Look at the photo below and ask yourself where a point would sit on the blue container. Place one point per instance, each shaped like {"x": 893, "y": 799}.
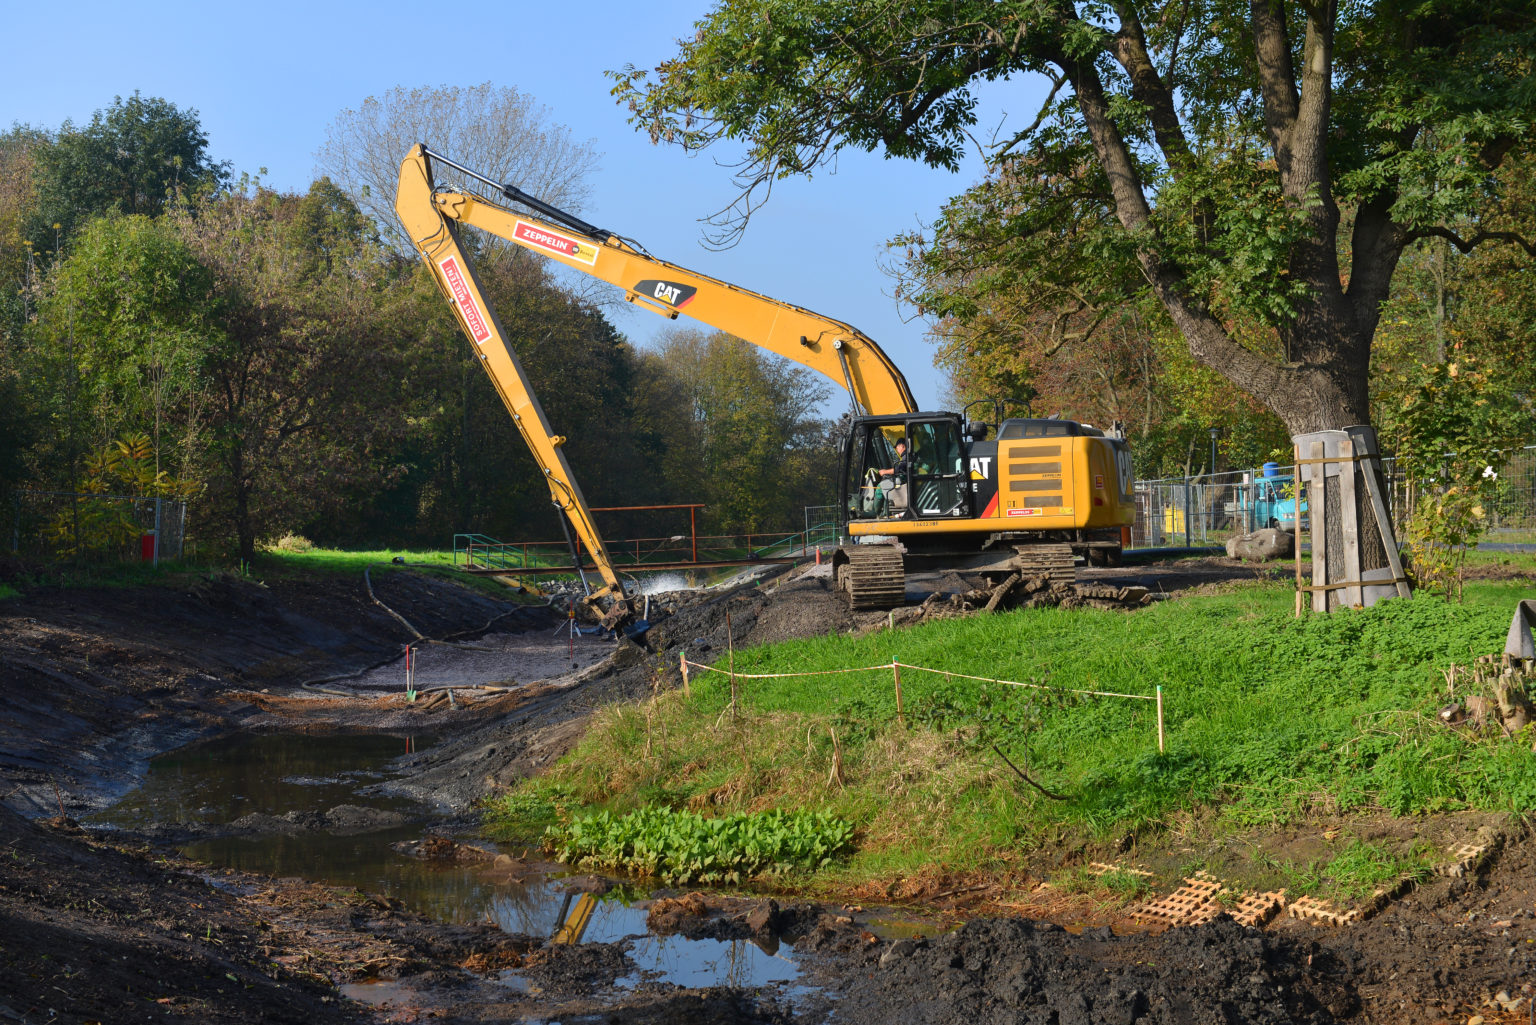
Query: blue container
{"x": 1271, "y": 469}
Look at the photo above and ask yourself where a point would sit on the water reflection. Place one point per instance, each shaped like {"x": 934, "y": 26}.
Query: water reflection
{"x": 217, "y": 783}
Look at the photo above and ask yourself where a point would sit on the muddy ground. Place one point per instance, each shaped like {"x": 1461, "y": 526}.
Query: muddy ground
{"x": 114, "y": 927}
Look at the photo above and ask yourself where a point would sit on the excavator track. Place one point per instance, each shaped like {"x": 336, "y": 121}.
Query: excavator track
{"x": 1053, "y": 561}
{"x": 873, "y": 577}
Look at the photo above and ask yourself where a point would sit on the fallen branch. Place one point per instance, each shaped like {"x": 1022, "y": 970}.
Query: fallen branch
{"x": 1037, "y": 786}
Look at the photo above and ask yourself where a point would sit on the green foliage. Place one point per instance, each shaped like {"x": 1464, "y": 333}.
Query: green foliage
{"x": 124, "y": 328}
{"x": 1198, "y": 159}
{"x": 1361, "y": 869}
{"x": 132, "y": 156}
{"x": 1269, "y": 718}
{"x": 683, "y": 847}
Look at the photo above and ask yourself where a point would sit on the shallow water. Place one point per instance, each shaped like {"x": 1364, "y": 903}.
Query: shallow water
{"x": 218, "y": 782}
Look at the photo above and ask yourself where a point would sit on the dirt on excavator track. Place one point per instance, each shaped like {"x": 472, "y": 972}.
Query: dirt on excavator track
{"x": 113, "y": 927}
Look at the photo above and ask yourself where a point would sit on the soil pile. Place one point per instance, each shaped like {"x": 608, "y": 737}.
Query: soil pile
{"x": 1020, "y": 971}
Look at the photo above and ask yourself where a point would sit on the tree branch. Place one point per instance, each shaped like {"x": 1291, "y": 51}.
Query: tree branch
{"x": 1277, "y": 75}
{"x": 1130, "y": 49}
{"x": 1466, "y": 245}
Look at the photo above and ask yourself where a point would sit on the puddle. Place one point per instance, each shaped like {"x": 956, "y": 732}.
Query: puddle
{"x": 219, "y": 782}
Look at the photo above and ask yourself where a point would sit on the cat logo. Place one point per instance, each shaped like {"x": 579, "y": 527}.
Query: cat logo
{"x": 1124, "y": 471}
{"x": 981, "y": 467}
{"x": 669, "y": 292}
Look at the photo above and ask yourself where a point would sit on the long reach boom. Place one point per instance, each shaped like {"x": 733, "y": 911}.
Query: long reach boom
{"x": 840, "y": 351}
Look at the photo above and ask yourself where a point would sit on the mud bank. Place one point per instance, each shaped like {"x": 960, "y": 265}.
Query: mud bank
{"x": 105, "y": 928}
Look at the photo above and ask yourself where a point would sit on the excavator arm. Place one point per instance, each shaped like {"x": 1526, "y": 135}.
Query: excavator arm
{"x": 839, "y": 351}
{"x": 434, "y": 230}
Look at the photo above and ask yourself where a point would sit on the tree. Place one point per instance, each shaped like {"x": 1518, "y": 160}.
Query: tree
{"x": 123, "y": 330}
{"x": 498, "y": 131}
{"x": 303, "y": 411}
{"x": 764, "y": 453}
{"x": 1256, "y": 168}
{"x": 131, "y": 157}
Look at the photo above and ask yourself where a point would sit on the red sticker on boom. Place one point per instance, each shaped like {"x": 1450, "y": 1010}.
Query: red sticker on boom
{"x": 458, "y": 284}
{"x": 536, "y": 237}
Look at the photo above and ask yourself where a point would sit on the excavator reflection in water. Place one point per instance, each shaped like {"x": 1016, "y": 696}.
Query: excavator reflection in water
{"x": 1013, "y": 495}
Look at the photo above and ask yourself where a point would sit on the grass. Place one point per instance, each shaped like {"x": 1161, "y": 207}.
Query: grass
{"x": 1358, "y": 870}
{"x": 1269, "y": 719}
{"x": 273, "y": 563}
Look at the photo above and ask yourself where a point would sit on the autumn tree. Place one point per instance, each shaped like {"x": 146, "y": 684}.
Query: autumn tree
{"x": 497, "y": 130}
{"x": 764, "y": 452}
{"x": 1257, "y": 169}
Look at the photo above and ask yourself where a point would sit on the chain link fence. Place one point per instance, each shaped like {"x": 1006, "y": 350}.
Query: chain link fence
{"x": 85, "y": 527}
{"x": 1205, "y": 511}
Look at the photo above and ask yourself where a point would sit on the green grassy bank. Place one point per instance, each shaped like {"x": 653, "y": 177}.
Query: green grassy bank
{"x": 1269, "y": 719}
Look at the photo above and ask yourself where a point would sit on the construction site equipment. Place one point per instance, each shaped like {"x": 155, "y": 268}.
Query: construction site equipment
{"x": 1012, "y": 495}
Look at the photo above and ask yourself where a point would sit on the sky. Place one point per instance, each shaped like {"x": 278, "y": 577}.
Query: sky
{"x": 269, "y": 79}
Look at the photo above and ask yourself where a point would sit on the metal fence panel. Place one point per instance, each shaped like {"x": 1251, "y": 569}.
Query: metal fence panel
{"x": 1205, "y": 511}
{"x": 79, "y": 526}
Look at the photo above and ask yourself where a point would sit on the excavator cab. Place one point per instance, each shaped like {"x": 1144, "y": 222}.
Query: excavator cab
{"x": 934, "y": 484}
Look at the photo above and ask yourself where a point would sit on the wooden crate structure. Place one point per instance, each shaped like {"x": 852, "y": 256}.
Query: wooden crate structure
{"x": 1355, "y": 562}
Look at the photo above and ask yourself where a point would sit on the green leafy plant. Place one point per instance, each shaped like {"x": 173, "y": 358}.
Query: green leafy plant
{"x": 684, "y": 847}
{"x": 99, "y": 521}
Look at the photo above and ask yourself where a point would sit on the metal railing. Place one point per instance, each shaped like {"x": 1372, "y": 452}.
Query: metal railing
{"x": 478, "y": 551}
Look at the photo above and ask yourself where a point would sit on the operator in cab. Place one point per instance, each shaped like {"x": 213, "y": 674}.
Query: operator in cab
{"x": 903, "y": 468}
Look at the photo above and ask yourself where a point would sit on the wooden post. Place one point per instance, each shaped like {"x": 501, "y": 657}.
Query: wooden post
{"x": 1317, "y": 513}
{"x": 1159, "y": 718}
{"x": 1385, "y": 525}
{"x": 682, "y": 663}
{"x": 730, "y": 641}
{"x": 896, "y": 675}
{"x": 1296, "y": 487}
{"x": 1350, "y": 521}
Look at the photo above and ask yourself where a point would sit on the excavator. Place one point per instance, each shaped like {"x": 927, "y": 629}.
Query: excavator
{"x": 916, "y": 490}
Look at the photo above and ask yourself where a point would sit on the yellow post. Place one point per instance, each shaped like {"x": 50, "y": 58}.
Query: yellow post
{"x": 896, "y": 674}
{"x": 1159, "y": 718}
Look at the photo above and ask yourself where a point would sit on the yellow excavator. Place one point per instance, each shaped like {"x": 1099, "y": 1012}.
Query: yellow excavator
{"x": 916, "y": 490}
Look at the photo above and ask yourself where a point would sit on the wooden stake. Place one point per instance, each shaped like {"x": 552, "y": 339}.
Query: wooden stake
{"x": 682, "y": 660}
{"x": 896, "y": 674}
{"x": 730, "y": 641}
{"x": 836, "y": 775}
{"x": 1354, "y": 594}
{"x": 1296, "y": 486}
{"x": 1159, "y": 718}
{"x": 1318, "y": 513}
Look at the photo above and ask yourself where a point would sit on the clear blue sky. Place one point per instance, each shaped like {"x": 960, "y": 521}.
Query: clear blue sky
{"x": 268, "y": 79}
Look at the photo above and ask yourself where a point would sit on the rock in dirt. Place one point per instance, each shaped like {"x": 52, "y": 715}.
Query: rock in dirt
{"x": 1263, "y": 545}
{"x": 443, "y": 849}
